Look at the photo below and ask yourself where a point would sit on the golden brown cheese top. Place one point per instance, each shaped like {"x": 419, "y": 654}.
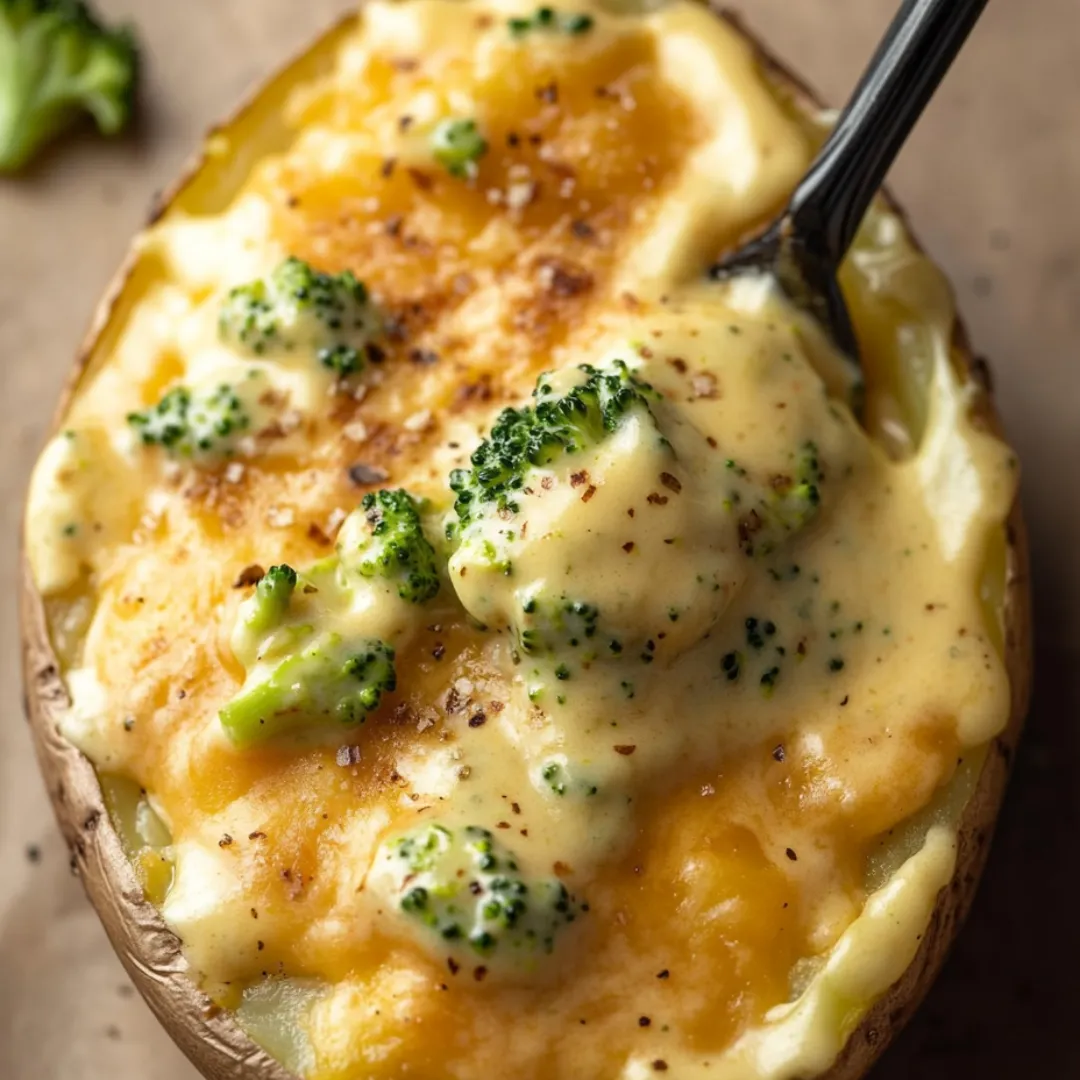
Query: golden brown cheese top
{"x": 712, "y": 798}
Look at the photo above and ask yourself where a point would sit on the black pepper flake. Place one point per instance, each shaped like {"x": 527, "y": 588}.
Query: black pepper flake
{"x": 836, "y": 664}
{"x": 439, "y": 651}
{"x": 582, "y": 230}
{"x": 387, "y": 169}
{"x": 665, "y": 974}
{"x": 262, "y": 945}
{"x": 480, "y": 973}
{"x": 628, "y": 546}
{"x": 778, "y": 752}
{"x": 453, "y": 965}
{"x": 790, "y": 853}
{"x": 478, "y": 719}
{"x": 644, "y": 1021}
{"x": 423, "y": 357}
{"x": 258, "y": 834}
{"x": 362, "y": 475}
{"x": 672, "y": 483}
{"x": 625, "y": 749}
{"x": 33, "y": 854}
{"x": 250, "y": 575}
{"x": 659, "y": 1065}
{"x": 225, "y": 841}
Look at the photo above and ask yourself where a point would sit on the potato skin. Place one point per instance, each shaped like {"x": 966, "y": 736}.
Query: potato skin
{"x": 151, "y": 953}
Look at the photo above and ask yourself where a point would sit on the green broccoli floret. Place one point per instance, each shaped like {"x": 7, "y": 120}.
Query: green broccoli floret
{"x": 469, "y": 893}
{"x": 548, "y": 627}
{"x": 57, "y": 62}
{"x": 385, "y": 538}
{"x": 535, "y": 436}
{"x": 793, "y": 502}
{"x": 271, "y": 600}
{"x": 457, "y": 145}
{"x": 192, "y": 423}
{"x": 331, "y": 680}
{"x": 549, "y": 20}
{"x": 299, "y": 309}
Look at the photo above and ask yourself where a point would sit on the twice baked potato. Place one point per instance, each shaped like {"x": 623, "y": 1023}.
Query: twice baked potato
{"x": 461, "y": 639}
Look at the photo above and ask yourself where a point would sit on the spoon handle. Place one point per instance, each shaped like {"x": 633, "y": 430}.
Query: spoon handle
{"x": 911, "y": 60}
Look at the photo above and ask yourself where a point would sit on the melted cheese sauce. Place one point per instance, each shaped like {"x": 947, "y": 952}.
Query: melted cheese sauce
{"x": 726, "y": 857}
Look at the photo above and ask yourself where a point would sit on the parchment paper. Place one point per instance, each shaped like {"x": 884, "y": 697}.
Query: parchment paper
{"x": 992, "y": 179}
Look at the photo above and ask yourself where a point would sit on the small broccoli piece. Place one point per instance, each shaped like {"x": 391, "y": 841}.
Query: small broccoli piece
{"x": 271, "y": 600}
{"x": 458, "y": 145}
{"x": 57, "y": 62}
{"x": 385, "y": 539}
{"x": 192, "y": 423}
{"x": 547, "y": 19}
{"x": 556, "y": 776}
{"x": 548, "y": 628}
{"x": 793, "y": 502}
{"x": 330, "y": 680}
{"x": 467, "y": 890}
{"x": 298, "y": 308}
{"x": 536, "y": 436}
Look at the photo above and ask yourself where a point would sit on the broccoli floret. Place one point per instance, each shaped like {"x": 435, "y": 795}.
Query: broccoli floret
{"x": 458, "y": 145}
{"x": 271, "y": 600}
{"x": 792, "y": 503}
{"x": 385, "y": 538}
{"x": 536, "y": 436}
{"x": 546, "y": 19}
{"x": 193, "y": 422}
{"x": 298, "y": 309}
{"x": 547, "y": 628}
{"x": 332, "y": 679}
{"x": 469, "y": 893}
{"x": 57, "y": 62}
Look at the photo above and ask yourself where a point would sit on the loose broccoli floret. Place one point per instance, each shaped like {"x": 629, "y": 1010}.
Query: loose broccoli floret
{"x": 385, "y": 538}
{"x": 57, "y": 62}
{"x": 332, "y": 679}
{"x": 468, "y": 891}
{"x": 457, "y": 145}
{"x": 536, "y": 436}
{"x": 191, "y": 423}
{"x": 298, "y": 308}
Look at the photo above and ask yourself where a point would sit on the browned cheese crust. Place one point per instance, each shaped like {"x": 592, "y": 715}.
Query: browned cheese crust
{"x": 151, "y": 953}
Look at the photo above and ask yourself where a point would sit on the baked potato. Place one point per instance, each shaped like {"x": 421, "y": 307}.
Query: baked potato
{"x": 361, "y": 779}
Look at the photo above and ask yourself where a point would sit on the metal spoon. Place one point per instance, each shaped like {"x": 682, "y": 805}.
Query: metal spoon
{"x": 804, "y": 247}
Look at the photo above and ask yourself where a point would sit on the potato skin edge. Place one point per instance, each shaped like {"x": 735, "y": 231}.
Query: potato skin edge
{"x": 150, "y": 952}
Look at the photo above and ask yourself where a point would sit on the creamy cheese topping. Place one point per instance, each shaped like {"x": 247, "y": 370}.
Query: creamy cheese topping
{"x": 616, "y": 798}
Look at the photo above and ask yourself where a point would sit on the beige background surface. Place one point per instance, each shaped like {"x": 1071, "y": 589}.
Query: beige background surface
{"x": 992, "y": 178}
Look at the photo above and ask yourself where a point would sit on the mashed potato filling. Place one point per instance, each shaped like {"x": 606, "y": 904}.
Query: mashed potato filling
{"x": 616, "y": 811}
